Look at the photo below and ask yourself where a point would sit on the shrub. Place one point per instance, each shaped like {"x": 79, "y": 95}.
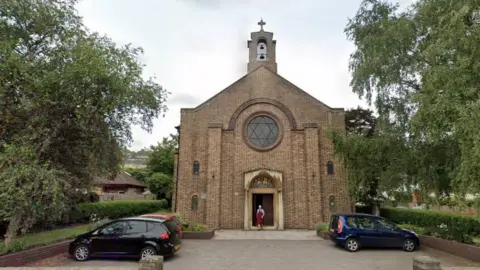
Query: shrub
{"x": 410, "y": 227}
{"x": 194, "y": 228}
{"x": 450, "y": 226}
{"x": 115, "y": 209}
{"x": 321, "y": 227}
{"x": 363, "y": 209}
{"x": 96, "y": 223}
{"x": 456, "y": 223}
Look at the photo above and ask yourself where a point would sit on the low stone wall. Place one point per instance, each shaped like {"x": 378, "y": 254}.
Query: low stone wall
{"x": 149, "y": 263}
{"x": 198, "y": 235}
{"x": 33, "y": 254}
{"x": 466, "y": 251}
{"x": 429, "y": 263}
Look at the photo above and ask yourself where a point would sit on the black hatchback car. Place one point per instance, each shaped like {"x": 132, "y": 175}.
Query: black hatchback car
{"x": 128, "y": 237}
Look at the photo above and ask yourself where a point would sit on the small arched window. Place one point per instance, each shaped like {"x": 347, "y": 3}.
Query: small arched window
{"x": 330, "y": 169}
{"x": 331, "y": 203}
{"x": 196, "y": 168}
{"x": 194, "y": 203}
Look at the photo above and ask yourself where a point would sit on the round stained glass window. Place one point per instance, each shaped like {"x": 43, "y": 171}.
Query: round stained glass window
{"x": 262, "y": 131}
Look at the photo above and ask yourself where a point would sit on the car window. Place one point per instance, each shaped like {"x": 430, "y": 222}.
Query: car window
{"x": 171, "y": 225}
{"x": 352, "y": 222}
{"x": 385, "y": 224}
{"x": 136, "y": 226}
{"x": 333, "y": 222}
{"x": 118, "y": 227}
{"x": 365, "y": 223}
{"x": 155, "y": 226}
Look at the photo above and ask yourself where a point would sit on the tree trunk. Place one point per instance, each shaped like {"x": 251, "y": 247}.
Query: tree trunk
{"x": 376, "y": 208}
{"x": 12, "y": 229}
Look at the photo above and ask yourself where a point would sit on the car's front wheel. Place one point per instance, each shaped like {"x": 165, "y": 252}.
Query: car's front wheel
{"x": 352, "y": 245}
{"x": 148, "y": 251}
{"x": 81, "y": 253}
{"x": 409, "y": 244}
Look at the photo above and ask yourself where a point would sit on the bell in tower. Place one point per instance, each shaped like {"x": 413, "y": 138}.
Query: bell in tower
{"x": 262, "y": 50}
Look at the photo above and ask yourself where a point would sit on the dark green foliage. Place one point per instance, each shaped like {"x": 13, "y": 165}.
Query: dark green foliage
{"x": 140, "y": 174}
{"x": 160, "y": 157}
{"x": 116, "y": 209}
{"x": 68, "y": 100}
{"x": 420, "y": 68}
{"x": 161, "y": 185}
{"x": 448, "y": 226}
{"x": 158, "y": 176}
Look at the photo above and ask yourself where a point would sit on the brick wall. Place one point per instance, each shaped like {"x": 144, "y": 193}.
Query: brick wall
{"x": 33, "y": 255}
{"x": 301, "y": 155}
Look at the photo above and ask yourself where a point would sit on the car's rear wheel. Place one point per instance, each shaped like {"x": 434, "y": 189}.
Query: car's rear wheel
{"x": 409, "y": 245}
{"x": 352, "y": 244}
{"x": 148, "y": 251}
{"x": 81, "y": 253}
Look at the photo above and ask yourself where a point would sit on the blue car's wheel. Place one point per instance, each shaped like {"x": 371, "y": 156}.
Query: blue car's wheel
{"x": 352, "y": 244}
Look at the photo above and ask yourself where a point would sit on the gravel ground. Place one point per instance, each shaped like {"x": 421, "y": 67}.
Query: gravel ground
{"x": 274, "y": 254}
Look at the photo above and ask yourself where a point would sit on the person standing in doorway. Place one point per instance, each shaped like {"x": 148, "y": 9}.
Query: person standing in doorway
{"x": 260, "y": 215}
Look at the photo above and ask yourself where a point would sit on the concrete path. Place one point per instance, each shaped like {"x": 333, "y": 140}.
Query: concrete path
{"x": 266, "y": 235}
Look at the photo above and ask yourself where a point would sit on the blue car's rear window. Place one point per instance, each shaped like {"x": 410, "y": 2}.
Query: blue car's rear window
{"x": 352, "y": 222}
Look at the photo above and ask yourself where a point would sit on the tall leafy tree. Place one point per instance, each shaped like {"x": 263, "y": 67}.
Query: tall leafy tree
{"x": 160, "y": 158}
{"x": 360, "y": 121}
{"x": 373, "y": 157}
{"x": 420, "y": 67}
{"x": 160, "y": 163}
{"x": 67, "y": 100}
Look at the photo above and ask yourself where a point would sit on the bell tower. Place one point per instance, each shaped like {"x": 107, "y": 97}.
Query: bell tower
{"x": 261, "y": 50}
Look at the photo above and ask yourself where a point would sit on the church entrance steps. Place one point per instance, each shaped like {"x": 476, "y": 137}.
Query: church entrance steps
{"x": 266, "y": 235}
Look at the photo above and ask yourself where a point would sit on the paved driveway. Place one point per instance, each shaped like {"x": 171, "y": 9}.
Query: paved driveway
{"x": 281, "y": 254}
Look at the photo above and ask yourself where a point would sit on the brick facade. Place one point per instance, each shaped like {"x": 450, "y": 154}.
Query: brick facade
{"x": 214, "y": 135}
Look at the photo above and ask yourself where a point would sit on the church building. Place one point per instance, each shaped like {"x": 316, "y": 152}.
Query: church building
{"x": 261, "y": 141}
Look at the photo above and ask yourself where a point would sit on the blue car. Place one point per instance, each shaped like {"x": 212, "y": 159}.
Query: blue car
{"x": 354, "y": 231}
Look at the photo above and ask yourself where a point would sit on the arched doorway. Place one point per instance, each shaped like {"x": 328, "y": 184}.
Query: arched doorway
{"x": 264, "y": 187}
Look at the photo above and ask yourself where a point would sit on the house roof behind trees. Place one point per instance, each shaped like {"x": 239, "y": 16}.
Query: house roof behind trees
{"x": 123, "y": 179}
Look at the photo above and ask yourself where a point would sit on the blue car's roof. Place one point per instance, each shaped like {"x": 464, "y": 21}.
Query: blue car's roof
{"x": 354, "y": 214}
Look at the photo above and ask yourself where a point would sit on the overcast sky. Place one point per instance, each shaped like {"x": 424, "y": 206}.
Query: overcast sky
{"x": 196, "y": 48}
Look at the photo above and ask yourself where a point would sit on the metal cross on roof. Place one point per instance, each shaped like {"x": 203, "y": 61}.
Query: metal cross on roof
{"x": 261, "y": 23}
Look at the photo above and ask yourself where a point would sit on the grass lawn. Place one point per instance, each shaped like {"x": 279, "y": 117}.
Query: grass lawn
{"x": 42, "y": 238}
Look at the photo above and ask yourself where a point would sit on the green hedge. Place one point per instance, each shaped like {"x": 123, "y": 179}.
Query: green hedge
{"x": 450, "y": 226}
{"x": 116, "y": 209}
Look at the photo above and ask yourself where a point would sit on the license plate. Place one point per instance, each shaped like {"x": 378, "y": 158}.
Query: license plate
{"x": 177, "y": 247}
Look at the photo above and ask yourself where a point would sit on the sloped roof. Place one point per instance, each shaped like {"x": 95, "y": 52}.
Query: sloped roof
{"x": 122, "y": 178}
{"x": 293, "y": 86}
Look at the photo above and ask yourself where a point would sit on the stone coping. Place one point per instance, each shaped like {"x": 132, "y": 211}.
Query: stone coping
{"x": 33, "y": 254}
{"x": 466, "y": 251}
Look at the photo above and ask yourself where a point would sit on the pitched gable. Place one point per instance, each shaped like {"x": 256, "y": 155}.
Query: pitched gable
{"x": 289, "y": 84}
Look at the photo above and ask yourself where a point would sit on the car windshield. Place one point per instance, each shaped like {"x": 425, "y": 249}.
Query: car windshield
{"x": 386, "y": 224}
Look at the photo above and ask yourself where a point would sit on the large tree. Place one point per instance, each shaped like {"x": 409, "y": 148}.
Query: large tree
{"x": 421, "y": 69}
{"x": 373, "y": 154}
{"x": 68, "y": 98}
